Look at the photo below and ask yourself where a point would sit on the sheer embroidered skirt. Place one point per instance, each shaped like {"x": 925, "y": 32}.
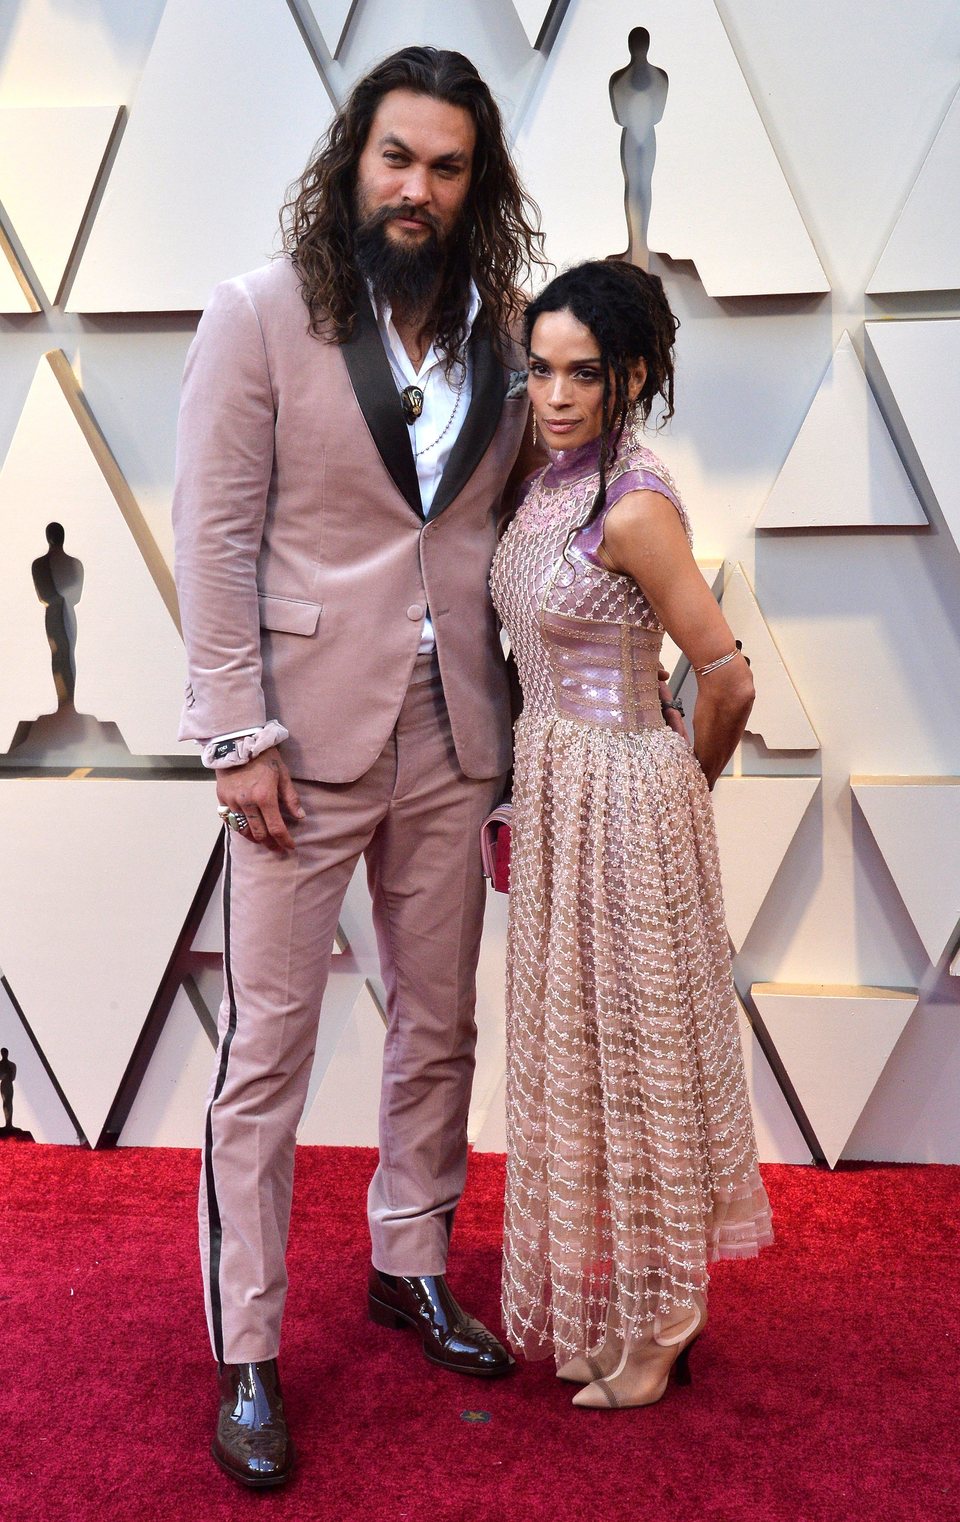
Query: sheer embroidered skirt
{"x": 632, "y": 1162}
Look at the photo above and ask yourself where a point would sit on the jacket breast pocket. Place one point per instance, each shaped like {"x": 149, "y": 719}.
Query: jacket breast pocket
{"x": 289, "y": 615}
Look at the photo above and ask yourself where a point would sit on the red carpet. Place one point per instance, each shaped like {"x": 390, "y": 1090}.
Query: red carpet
{"x": 826, "y": 1387}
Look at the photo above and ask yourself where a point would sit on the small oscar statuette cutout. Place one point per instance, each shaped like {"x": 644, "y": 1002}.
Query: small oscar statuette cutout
{"x": 8, "y": 1072}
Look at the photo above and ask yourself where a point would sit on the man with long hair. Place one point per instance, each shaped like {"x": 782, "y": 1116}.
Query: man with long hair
{"x": 345, "y": 442}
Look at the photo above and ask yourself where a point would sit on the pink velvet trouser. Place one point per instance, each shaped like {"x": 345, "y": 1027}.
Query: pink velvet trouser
{"x": 416, "y": 819}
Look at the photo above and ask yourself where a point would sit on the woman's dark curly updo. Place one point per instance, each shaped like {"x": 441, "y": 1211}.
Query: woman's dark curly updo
{"x": 627, "y": 311}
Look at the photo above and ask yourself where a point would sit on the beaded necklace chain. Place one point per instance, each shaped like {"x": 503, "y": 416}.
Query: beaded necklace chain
{"x": 449, "y": 424}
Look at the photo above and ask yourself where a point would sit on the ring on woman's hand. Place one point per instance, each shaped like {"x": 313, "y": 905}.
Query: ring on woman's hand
{"x": 233, "y": 818}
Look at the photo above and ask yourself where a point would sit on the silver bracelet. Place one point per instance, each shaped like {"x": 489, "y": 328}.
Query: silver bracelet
{"x": 721, "y": 661}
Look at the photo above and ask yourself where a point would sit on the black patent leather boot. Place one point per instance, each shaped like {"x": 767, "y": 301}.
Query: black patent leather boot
{"x": 252, "y": 1444}
{"x": 448, "y": 1335}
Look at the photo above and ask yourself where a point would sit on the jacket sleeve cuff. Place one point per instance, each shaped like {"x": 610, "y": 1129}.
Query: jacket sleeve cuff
{"x": 236, "y": 750}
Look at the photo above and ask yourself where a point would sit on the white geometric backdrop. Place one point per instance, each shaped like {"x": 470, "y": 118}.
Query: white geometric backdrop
{"x": 791, "y": 172}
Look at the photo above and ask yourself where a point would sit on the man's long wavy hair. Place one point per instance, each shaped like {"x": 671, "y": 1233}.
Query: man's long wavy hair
{"x": 499, "y": 224}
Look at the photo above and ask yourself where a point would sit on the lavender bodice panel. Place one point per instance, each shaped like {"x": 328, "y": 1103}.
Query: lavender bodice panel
{"x": 603, "y": 673}
{"x": 586, "y": 641}
{"x": 588, "y": 541}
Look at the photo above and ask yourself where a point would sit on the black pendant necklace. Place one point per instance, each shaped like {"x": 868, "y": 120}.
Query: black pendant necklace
{"x": 411, "y": 401}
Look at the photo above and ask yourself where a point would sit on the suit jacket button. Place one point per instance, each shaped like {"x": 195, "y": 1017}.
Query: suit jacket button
{"x": 415, "y": 612}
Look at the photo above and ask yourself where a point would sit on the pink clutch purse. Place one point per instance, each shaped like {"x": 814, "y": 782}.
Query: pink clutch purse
{"x": 495, "y": 847}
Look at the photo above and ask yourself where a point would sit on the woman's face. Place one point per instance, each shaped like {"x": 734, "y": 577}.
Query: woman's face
{"x": 565, "y": 380}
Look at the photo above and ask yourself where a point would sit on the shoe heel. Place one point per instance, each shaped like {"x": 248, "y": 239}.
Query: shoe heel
{"x": 681, "y": 1369}
{"x": 384, "y": 1316}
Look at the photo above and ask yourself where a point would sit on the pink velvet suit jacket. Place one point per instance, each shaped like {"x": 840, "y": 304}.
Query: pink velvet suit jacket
{"x": 303, "y": 561}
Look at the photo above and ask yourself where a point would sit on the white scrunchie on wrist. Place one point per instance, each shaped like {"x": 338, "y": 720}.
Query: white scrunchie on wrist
{"x": 245, "y": 747}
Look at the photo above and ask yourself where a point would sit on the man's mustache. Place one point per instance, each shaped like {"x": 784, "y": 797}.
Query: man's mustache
{"x": 404, "y": 212}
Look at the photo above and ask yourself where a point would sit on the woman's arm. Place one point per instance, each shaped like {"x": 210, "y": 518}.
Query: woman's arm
{"x": 644, "y": 538}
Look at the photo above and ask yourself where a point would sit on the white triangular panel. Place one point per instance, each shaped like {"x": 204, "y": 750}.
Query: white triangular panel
{"x": 778, "y": 715}
{"x": 344, "y": 1110}
{"x": 491, "y": 1124}
{"x": 169, "y": 1105}
{"x": 485, "y": 1122}
{"x": 921, "y": 361}
{"x": 719, "y": 196}
{"x": 331, "y": 17}
{"x": 130, "y": 661}
{"x": 532, "y": 15}
{"x": 757, "y": 818}
{"x": 670, "y": 654}
{"x": 834, "y": 1042}
{"x": 28, "y": 688}
{"x": 50, "y": 159}
{"x": 207, "y": 992}
{"x": 209, "y": 935}
{"x": 955, "y": 966}
{"x": 779, "y": 1138}
{"x": 916, "y": 824}
{"x": 85, "y": 943}
{"x": 843, "y": 470}
{"x": 15, "y": 293}
{"x": 226, "y": 114}
{"x": 37, "y": 1107}
{"x": 923, "y": 251}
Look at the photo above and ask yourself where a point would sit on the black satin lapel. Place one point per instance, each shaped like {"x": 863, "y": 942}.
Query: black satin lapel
{"x": 479, "y": 425}
{"x": 373, "y": 383}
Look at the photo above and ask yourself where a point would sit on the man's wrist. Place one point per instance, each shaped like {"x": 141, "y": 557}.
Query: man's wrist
{"x": 241, "y": 746}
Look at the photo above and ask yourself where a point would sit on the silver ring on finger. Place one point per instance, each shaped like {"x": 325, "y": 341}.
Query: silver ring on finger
{"x": 234, "y": 819}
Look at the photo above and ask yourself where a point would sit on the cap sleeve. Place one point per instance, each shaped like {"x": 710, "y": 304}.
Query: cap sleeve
{"x": 587, "y": 541}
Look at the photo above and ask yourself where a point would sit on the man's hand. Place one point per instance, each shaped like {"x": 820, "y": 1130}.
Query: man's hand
{"x": 262, "y": 789}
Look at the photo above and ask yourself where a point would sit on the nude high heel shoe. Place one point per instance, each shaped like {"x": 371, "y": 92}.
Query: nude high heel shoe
{"x": 584, "y": 1369}
{"x": 587, "y": 1367}
{"x": 644, "y": 1371}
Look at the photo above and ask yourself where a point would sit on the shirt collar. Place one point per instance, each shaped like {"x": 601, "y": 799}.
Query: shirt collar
{"x": 385, "y": 320}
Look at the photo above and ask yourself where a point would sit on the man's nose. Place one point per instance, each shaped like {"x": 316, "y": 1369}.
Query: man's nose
{"x": 416, "y": 186}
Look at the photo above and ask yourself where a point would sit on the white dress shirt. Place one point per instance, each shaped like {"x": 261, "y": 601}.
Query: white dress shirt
{"x": 446, "y": 401}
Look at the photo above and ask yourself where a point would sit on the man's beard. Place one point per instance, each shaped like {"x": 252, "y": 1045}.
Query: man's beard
{"x": 402, "y": 274}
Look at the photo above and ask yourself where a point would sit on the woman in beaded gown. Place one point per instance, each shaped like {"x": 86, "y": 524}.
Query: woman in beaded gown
{"x": 631, "y": 1155}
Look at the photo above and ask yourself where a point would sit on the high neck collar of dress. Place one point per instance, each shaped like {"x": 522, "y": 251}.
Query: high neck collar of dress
{"x": 569, "y": 465}
{"x": 575, "y": 464}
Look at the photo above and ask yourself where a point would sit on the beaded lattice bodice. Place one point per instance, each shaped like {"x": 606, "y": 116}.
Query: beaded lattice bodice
{"x": 586, "y": 641}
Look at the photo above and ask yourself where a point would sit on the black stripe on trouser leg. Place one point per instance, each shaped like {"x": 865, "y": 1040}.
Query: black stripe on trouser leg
{"x": 213, "y": 1207}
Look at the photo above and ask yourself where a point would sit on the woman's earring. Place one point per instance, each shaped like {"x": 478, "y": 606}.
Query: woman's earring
{"x": 534, "y": 416}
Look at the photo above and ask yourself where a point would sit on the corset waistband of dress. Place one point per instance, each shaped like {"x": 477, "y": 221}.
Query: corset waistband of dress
{"x": 604, "y": 673}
